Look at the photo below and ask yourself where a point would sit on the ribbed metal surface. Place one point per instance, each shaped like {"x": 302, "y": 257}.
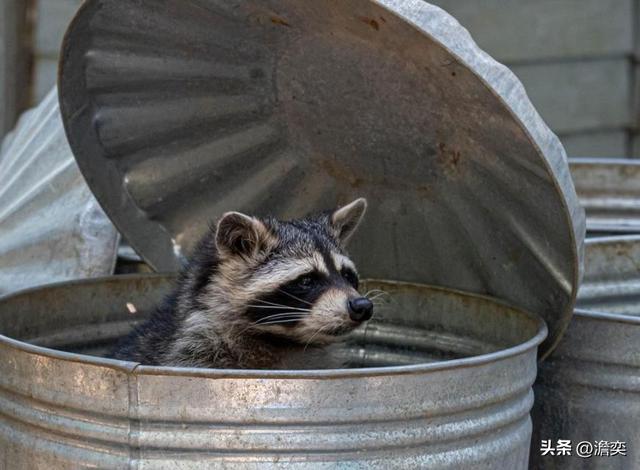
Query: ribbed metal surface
{"x": 66, "y": 410}
{"x": 51, "y": 226}
{"x": 609, "y": 190}
{"x": 179, "y": 110}
{"x": 589, "y": 388}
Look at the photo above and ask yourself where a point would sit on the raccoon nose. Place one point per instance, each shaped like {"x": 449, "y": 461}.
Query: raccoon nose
{"x": 360, "y": 309}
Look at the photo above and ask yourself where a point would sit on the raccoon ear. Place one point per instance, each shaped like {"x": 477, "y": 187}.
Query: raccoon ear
{"x": 240, "y": 234}
{"x": 346, "y": 219}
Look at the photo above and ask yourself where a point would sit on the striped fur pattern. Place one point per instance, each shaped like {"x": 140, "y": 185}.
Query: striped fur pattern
{"x": 257, "y": 294}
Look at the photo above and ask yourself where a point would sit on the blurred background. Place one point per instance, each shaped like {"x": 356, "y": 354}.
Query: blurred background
{"x": 578, "y": 60}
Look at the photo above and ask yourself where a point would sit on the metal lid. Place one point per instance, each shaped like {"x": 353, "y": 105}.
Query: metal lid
{"x": 178, "y": 111}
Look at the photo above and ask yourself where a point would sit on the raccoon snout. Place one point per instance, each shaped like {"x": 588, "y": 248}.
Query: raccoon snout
{"x": 360, "y": 309}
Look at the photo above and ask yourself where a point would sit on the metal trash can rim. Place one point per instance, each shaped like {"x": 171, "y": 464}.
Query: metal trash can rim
{"x": 598, "y": 314}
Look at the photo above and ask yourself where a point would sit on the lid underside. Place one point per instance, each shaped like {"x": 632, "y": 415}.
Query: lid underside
{"x": 178, "y": 111}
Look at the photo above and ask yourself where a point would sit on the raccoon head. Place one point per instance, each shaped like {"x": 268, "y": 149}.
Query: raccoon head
{"x": 292, "y": 279}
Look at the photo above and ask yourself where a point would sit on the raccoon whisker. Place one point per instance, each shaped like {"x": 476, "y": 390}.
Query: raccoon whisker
{"x": 276, "y": 304}
{"x": 377, "y": 296}
{"x": 372, "y": 291}
{"x": 314, "y": 335}
{"x": 294, "y": 297}
{"x": 266, "y": 302}
{"x": 279, "y": 315}
{"x": 277, "y": 322}
{"x": 284, "y": 307}
{"x": 272, "y": 320}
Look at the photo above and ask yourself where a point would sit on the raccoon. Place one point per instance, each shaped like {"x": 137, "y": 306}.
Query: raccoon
{"x": 259, "y": 294}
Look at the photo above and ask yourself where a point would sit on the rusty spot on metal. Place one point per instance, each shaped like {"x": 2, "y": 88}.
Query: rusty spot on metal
{"x": 341, "y": 173}
{"x": 424, "y": 190}
{"x": 346, "y": 178}
{"x": 371, "y": 22}
{"x": 449, "y": 159}
{"x": 280, "y": 21}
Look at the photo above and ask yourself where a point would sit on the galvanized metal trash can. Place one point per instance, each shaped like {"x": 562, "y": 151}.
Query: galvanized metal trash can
{"x": 180, "y": 110}
{"x": 62, "y": 410}
{"x": 588, "y": 390}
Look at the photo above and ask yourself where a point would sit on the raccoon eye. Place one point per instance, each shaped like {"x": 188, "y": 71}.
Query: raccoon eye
{"x": 350, "y": 277}
{"x": 306, "y": 281}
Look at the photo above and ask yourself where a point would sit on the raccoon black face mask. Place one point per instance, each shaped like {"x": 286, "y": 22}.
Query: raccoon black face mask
{"x": 259, "y": 293}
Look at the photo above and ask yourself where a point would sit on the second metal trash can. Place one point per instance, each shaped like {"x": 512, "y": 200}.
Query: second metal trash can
{"x": 589, "y": 388}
